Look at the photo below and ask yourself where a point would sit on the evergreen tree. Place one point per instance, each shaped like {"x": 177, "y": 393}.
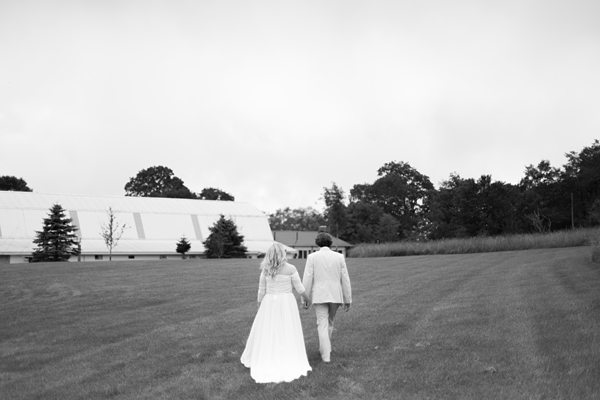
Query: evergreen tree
{"x": 224, "y": 240}
{"x": 183, "y": 246}
{"x": 57, "y": 240}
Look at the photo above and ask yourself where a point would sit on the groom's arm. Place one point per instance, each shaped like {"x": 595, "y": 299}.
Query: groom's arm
{"x": 346, "y": 286}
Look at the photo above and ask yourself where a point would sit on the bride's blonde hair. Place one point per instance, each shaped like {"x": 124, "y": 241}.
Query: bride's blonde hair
{"x": 274, "y": 259}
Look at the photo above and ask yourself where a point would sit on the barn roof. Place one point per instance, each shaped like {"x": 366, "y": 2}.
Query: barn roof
{"x": 305, "y": 239}
{"x": 154, "y": 225}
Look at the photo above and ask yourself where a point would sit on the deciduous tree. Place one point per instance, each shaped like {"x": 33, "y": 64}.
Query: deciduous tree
{"x": 543, "y": 174}
{"x": 469, "y": 207}
{"x": 158, "y": 181}
{"x": 215, "y": 194}
{"x": 12, "y": 183}
{"x": 363, "y": 222}
{"x": 546, "y": 197}
{"x": 401, "y": 191}
{"x": 111, "y": 231}
{"x": 387, "y": 229}
{"x": 297, "y": 219}
{"x": 335, "y": 209}
{"x": 582, "y": 179}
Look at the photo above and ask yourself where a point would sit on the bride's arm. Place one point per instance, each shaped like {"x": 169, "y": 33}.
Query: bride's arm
{"x": 262, "y": 286}
{"x": 300, "y": 288}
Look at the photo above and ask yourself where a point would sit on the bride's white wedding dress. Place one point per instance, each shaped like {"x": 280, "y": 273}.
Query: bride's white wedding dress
{"x": 275, "y": 350}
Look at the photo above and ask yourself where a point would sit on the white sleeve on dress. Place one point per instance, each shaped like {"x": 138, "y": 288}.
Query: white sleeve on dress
{"x": 262, "y": 286}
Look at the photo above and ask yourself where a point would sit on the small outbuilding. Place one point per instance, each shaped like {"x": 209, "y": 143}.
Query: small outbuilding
{"x": 304, "y": 242}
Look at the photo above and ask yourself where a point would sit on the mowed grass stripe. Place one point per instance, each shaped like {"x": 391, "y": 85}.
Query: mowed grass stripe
{"x": 520, "y": 324}
{"x": 422, "y": 330}
{"x": 567, "y": 331}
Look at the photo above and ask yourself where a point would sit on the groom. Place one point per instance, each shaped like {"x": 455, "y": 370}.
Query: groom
{"x": 327, "y": 284}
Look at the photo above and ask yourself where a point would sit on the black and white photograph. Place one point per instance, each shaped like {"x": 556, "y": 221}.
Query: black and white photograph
{"x": 299, "y": 199}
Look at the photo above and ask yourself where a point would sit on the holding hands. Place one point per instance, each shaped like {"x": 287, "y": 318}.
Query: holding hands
{"x": 306, "y": 303}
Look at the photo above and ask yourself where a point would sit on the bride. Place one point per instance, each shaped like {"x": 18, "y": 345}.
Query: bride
{"x": 275, "y": 350}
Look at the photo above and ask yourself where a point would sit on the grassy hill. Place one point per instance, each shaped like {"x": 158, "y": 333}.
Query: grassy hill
{"x": 505, "y": 325}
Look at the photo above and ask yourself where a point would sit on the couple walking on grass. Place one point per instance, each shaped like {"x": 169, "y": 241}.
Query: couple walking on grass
{"x": 275, "y": 350}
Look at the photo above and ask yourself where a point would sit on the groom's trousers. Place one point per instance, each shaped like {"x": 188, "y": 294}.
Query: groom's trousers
{"x": 325, "y": 315}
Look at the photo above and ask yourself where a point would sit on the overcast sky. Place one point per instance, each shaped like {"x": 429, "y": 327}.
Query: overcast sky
{"x": 273, "y": 100}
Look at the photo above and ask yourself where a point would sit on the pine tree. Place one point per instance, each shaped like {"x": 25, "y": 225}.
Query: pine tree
{"x": 224, "y": 240}
{"x": 57, "y": 240}
{"x": 183, "y": 246}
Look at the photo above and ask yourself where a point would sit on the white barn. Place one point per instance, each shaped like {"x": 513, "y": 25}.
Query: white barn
{"x": 154, "y": 225}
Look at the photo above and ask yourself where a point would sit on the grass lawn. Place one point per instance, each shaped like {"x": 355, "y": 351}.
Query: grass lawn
{"x": 503, "y": 325}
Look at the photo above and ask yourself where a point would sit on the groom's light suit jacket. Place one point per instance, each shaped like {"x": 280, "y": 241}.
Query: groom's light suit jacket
{"x": 326, "y": 277}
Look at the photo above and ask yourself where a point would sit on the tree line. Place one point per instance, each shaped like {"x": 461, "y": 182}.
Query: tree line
{"x": 403, "y": 204}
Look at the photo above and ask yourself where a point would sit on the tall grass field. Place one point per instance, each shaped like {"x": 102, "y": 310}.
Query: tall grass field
{"x": 501, "y": 325}
{"x": 566, "y": 238}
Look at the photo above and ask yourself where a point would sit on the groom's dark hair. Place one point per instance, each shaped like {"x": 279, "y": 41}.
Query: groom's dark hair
{"x": 323, "y": 239}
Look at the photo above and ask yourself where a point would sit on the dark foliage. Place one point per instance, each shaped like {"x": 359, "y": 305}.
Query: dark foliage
{"x": 215, "y": 194}
{"x": 12, "y": 183}
{"x": 157, "y": 181}
{"x": 224, "y": 240}
{"x": 57, "y": 240}
{"x": 466, "y": 207}
{"x": 335, "y": 210}
{"x": 160, "y": 181}
{"x": 297, "y": 219}
{"x": 183, "y": 246}
{"x": 400, "y": 191}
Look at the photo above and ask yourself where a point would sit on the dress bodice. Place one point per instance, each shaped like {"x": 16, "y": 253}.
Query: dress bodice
{"x": 280, "y": 283}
